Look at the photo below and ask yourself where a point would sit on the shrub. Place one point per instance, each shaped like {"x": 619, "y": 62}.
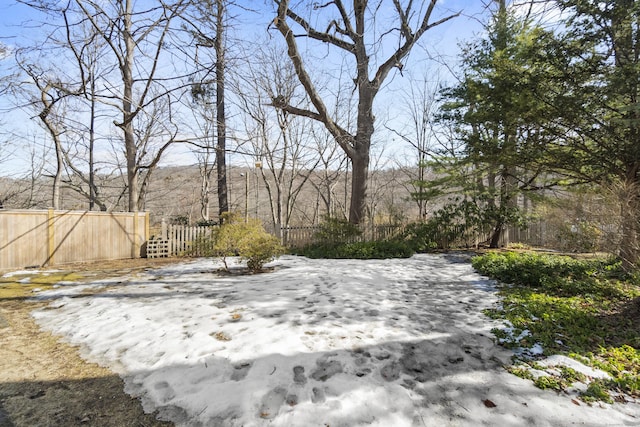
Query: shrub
{"x": 421, "y": 236}
{"x": 596, "y": 391}
{"x": 248, "y": 240}
{"x": 333, "y": 231}
{"x": 382, "y": 249}
{"x": 260, "y": 250}
{"x": 207, "y": 223}
{"x": 179, "y": 220}
{"x": 335, "y": 239}
{"x": 580, "y": 237}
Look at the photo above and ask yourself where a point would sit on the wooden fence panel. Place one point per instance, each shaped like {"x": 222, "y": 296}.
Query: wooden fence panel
{"x": 297, "y": 237}
{"x": 23, "y": 239}
{"x": 48, "y": 237}
{"x": 181, "y": 240}
{"x": 457, "y": 237}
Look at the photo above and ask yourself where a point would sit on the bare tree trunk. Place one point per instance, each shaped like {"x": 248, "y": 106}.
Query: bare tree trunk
{"x": 359, "y": 181}
{"x": 47, "y": 106}
{"x": 221, "y": 154}
{"x": 131, "y": 148}
{"x": 57, "y": 179}
{"x": 205, "y": 179}
{"x": 92, "y": 121}
{"x": 498, "y": 227}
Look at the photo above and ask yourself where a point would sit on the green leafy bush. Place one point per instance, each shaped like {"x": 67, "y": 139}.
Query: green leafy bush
{"x": 359, "y": 250}
{"x": 596, "y": 391}
{"x": 333, "y": 231}
{"x": 260, "y": 249}
{"x": 550, "y": 382}
{"x": 421, "y": 236}
{"x": 582, "y": 236}
{"x": 338, "y": 238}
{"x": 248, "y": 240}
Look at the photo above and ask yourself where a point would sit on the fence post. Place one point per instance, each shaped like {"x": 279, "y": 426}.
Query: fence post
{"x": 51, "y": 234}
{"x": 146, "y": 226}
{"x": 134, "y": 241}
{"x": 163, "y": 232}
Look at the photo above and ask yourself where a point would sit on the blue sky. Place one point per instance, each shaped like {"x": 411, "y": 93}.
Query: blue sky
{"x": 19, "y": 25}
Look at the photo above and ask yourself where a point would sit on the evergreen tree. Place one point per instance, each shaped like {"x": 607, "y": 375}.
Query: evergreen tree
{"x": 499, "y": 119}
{"x": 596, "y": 111}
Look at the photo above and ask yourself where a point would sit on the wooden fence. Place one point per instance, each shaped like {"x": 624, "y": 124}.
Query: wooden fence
{"x": 457, "y": 237}
{"x": 183, "y": 240}
{"x": 195, "y": 241}
{"x": 301, "y": 236}
{"x": 47, "y": 237}
{"x": 30, "y": 238}
{"x": 180, "y": 240}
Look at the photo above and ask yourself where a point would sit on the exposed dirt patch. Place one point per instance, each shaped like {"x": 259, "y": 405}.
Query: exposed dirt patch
{"x": 43, "y": 381}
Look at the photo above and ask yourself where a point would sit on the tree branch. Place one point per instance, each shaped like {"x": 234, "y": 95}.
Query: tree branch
{"x": 410, "y": 41}
{"x": 342, "y": 137}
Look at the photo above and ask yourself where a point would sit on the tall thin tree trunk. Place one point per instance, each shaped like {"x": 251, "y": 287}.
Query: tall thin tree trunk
{"x": 127, "y": 110}
{"x": 221, "y": 155}
{"x": 92, "y": 120}
{"x": 57, "y": 179}
{"x": 360, "y": 154}
{"x": 55, "y": 136}
{"x": 359, "y": 177}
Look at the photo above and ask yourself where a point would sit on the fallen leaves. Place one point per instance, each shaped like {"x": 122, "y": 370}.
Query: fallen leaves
{"x": 221, "y": 336}
{"x": 488, "y": 403}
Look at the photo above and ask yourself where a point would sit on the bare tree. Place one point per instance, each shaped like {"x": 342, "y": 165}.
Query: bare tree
{"x": 355, "y": 32}
{"x": 48, "y": 102}
{"x": 204, "y": 151}
{"x": 221, "y": 145}
{"x": 280, "y": 141}
{"x": 101, "y": 43}
{"x": 125, "y": 32}
{"x": 327, "y": 175}
{"x": 86, "y": 48}
{"x": 420, "y": 105}
{"x": 210, "y": 26}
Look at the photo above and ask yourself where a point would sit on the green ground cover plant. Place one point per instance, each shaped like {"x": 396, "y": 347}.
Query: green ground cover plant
{"x": 587, "y": 309}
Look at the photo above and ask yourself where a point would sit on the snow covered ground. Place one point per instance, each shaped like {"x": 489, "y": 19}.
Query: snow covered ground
{"x": 399, "y": 342}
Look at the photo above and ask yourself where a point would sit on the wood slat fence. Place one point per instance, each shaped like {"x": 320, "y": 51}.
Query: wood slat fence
{"x": 456, "y": 237}
{"x": 181, "y": 240}
{"x": 35, "y": 238}
{"x": 302, "y": 236}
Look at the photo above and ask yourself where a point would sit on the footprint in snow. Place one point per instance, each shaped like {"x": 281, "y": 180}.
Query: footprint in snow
{"x": 318, "y": 395}
{"x": 326, "y": 368}
{"x": 298, "y": 375}
{"x": 271, "y": 403}
{"x": 240, "y": 371}
{"x": 164, "y": 390}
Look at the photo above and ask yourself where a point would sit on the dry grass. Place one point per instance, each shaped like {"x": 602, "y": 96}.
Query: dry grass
{"x": 43, "y": 381}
